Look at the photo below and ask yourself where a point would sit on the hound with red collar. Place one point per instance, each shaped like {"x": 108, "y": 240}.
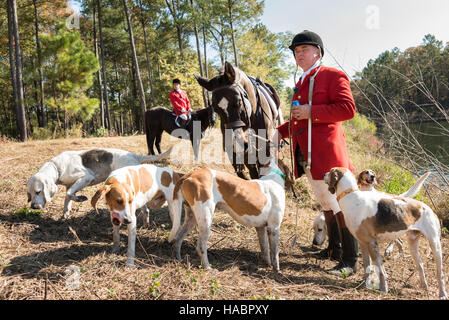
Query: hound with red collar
{"x": 374, "y": 216}
{"x": 130, "y": 188}
{"x": 254, "y": 203}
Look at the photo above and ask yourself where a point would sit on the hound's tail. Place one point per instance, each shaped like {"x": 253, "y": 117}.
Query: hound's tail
{"x": 416, "y": 187}
{"x": 157, "y": 157}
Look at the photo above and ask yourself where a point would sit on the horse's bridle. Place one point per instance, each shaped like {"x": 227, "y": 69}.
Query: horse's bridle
{"x": 247, "y": 106}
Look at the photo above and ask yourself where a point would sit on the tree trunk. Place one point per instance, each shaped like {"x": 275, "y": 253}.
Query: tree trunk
{"x": 136, "y": 63}
{"x": 150, "y": 79}
{"x": 105, "y": 82}
{"x": 177, "y": 25}
{"x": 41, "y": 120}
{"x": 232, "y": 33}
{"x": 198, "y": 50}
{"x": 179, "y": 33}
{"x": 12, "y": 57}
{"x": 20, "y": 104}
{"x": 100, "y": 89}
{"x": 117, "y": 81}
{"x": 206, "y": 71}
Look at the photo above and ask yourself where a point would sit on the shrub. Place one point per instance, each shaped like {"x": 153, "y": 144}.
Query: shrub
{"x": 362, "y": 125}
{"x": 100, "y": 132}
{"x": 442, "y": 210}
{"x": 42, "y": 134}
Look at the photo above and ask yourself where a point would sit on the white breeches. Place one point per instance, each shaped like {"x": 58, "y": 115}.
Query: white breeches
{"x": 327, "y": 200}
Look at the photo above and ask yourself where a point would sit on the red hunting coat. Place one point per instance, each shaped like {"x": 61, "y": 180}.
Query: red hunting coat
{"x": 332, "y": 103}
{"x": 180, "y": 102}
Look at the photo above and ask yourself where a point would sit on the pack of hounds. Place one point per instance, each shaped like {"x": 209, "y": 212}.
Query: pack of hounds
{"x": 131, "y": 182}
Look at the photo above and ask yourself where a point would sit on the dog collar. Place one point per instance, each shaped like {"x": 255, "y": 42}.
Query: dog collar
{"x": 108, "y": 178}
{"x": 347, "y": 191}
{"x": 279, "y": 173}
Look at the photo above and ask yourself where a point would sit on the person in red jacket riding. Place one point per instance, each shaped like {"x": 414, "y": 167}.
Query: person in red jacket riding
{"x": 328, "y": 104}
{"x": 180, "y": 103}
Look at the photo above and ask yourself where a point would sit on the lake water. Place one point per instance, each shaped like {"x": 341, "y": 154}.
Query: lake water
{"x": 434, "y": 137}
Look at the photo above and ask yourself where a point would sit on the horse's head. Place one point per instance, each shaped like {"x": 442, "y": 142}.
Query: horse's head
{"x": 229, "y": 99}
{"x": 225, "y": 78}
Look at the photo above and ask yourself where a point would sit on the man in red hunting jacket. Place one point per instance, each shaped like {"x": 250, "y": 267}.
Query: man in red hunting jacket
{"x": 332, "y": 103}
{"x": 180, "y": 103}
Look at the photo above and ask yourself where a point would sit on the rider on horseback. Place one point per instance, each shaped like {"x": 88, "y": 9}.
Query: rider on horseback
{"x": 181, "y": 104}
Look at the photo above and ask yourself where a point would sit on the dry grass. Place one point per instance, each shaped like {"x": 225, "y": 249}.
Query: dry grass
{"x": 36, "y": 252}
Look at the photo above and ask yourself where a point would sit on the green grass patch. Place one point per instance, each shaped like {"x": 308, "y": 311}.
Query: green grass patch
{"x": 25, "y": 212}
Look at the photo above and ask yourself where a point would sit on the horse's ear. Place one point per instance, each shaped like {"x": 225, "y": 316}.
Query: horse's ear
{"x": 205, "y": 83}
{"x": 229, "y": 72}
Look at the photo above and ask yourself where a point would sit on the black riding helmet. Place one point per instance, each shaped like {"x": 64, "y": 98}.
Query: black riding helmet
{"x": 307, "y": 37}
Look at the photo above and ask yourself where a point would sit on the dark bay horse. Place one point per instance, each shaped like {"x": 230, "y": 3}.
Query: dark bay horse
{"x": 243, "y": 103}
{"x": 160, "y": 119}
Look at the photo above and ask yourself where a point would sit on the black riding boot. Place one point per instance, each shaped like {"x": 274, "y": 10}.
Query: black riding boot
{"x": 333, "y": 250}
{"x": 350, "y": 246}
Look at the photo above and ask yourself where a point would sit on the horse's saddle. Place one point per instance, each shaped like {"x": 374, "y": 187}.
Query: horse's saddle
{"x": 268, "y": 94}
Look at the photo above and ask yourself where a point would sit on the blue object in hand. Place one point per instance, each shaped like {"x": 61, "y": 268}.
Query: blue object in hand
{"x": 295, "y": 103}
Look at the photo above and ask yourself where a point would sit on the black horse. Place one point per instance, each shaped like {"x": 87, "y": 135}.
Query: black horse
{"x": 244, "y": 103}
{"x": 159, "y": 119}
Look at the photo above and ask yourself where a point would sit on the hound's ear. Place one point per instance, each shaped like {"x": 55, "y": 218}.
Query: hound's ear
{"x": 359, "y": 178}
{"x": 229, "y": 72}
{"x": 333, "y": 181}
{"x": 99, "y": 195}
{"x": 289, "y": 177}
{"x": 205, "y": 83}
{"x": 50, "y": 188}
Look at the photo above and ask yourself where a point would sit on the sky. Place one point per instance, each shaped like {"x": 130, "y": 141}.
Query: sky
{"x": 355, "y": 31}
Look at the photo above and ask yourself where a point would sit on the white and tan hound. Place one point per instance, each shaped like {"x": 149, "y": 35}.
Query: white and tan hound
{"x": 130, "y": 188}
{"x": 256, "y": 203}
{"x": 374, "y": 216}
{"x": 78, "y": 169}
{"x": 366, "y": 181}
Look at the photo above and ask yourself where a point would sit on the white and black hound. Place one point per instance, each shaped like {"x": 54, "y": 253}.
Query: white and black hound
{"x": 78, "y": 169}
